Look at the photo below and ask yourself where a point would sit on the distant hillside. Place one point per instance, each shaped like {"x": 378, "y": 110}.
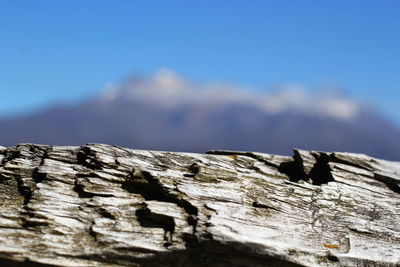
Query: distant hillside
{"x": 167, "y": 113}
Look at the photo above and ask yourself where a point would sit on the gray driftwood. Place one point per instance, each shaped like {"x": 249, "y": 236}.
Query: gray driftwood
{"x": 100, "y": 205}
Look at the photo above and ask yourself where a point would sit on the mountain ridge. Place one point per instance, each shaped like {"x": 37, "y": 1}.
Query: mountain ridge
{"x": 198, "y": 120}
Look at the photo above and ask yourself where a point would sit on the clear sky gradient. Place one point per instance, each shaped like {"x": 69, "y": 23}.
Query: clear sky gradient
{"x": 65, "y": 50}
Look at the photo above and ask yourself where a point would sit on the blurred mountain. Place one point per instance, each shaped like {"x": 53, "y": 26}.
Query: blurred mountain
{"x": 165, "y": 112}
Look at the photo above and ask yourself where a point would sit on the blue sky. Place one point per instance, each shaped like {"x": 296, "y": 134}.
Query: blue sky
{"x": 55, "y": 51}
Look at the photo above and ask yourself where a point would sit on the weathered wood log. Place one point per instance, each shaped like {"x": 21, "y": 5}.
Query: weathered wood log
{"x": 101, "y": 205}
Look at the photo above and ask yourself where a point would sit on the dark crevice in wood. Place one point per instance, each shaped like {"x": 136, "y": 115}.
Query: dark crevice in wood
{"x": 151, "y": 189}
{"x": 239, "y": 153}
{"x": 105, "y": 213}
{"x": 32, "y": 220}
{"x": 149, "y": 219}
{"x": 263, "y": 206}
{"x": 92, "y": 233}
{"x": 80, "y": 189}
{"x": 25, "y": 191}
{"x": 194, "y": 169}
{"x": 9, "y": 155}
{"x": 391, "y": 185}
{"x": 332, "y": 258}
{"x": 321, "y": 172}
{"x": 24, "y": 188}
{"x": 363, "y": 165}
{"x": 43, "y": 152}
{"x": 23, "y": 263}
{"x": 87, "y": 158}
{"x": 292, "y": 170}
{"x": 37, "y": 176}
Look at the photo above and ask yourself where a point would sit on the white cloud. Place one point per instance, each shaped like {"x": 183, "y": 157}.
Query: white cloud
{"x": 166, "y": 88}
{"x": 299, "y": 99}
{"x": 339, "y": 108}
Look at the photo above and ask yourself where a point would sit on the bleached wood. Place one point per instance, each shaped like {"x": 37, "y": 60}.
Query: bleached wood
{"x": 101, "y": 205}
